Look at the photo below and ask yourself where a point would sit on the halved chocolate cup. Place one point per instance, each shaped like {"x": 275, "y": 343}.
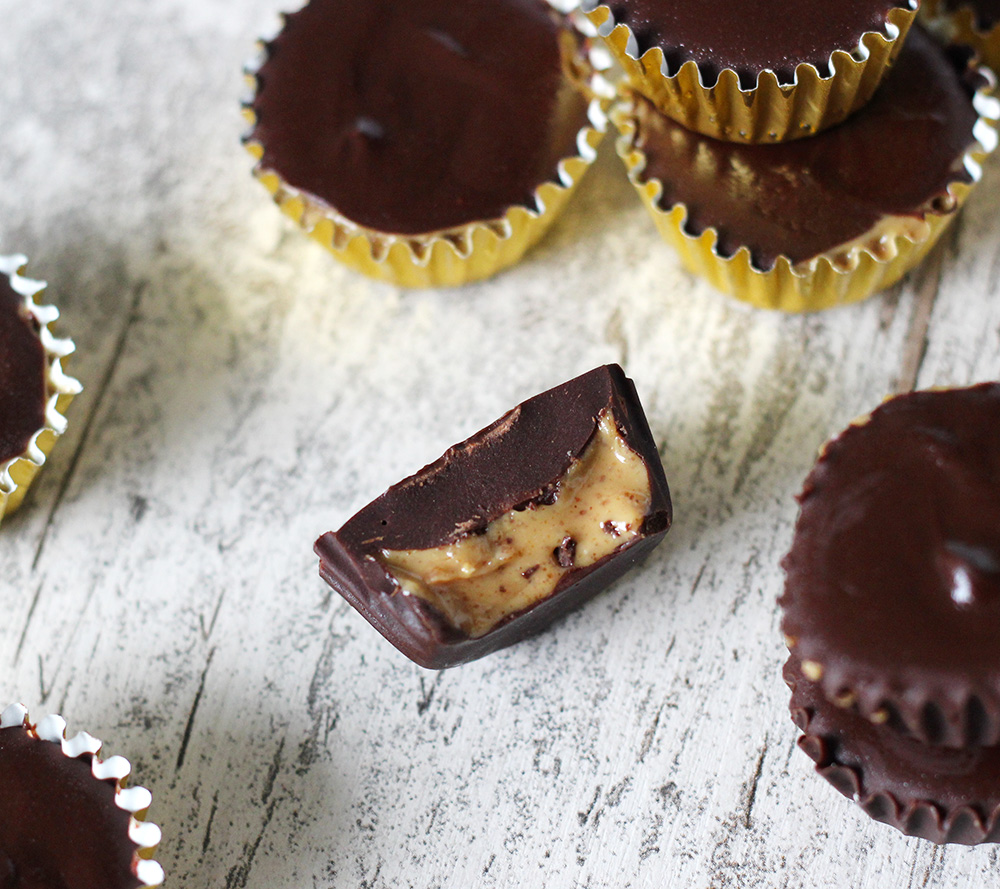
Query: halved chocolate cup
{"x": 510, "y": 529}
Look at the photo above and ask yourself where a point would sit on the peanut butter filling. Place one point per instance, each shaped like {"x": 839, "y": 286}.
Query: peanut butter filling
{"x": 479, "y": 579}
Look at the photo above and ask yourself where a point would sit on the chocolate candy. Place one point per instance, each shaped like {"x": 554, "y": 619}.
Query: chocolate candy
{"x": 510, "y": 529}
{"x": 943, "y": 794}
{"x": 421, "y": 116}
{"x": 751, "y": 35}
{"x": 22, "y": 375}
{"x": 61, "y": 827}
{"x": 805, "y": 198}
{"x": 892, "y": 600}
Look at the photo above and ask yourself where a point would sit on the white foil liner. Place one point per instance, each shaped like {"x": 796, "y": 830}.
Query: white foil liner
{"x": 59, "y": 386}
{"x": 770, "y": 111}
{"x": 453, "y": 256}
{"x": 134, "y": 800}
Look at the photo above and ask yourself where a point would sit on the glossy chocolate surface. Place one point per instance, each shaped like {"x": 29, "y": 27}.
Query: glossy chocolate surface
{"x": 415, "y": 117}
{"x": 516, "y": 461}
{"x": 60, "y": 827}
{"x": 943, "y": 794}
{"x": 752, "y": 35}
{"x": 22, "y": 375}
{"x": 801, "y": 199}
{"x": 893, "y": 579}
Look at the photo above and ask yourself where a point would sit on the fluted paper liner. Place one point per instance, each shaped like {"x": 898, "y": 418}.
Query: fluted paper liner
{"x": 960, "y": 26}
{"x": 914, "y": 817}
{"x": 134, "y": 800}
{"x": 771, "y": 111}
{"x": 845, "y": 273}
{"x": 454, "y": 256}
{"x": 17, "y": 473}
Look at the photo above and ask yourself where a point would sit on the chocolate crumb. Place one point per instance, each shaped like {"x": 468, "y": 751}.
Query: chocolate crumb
{"x": 565, "y": 553}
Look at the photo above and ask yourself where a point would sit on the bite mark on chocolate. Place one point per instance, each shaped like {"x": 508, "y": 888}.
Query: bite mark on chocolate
{"x": 490, "y": 512}
{"x": 461, "y": 577}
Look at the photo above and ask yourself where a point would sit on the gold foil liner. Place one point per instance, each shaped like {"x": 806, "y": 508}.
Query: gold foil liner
{"x": 134, "y": 800}
{"x": 844, "y": 274}
{"x": 458, "y": 255}
{"x": 770, "y": 112}
{"x": 17, "y": 473}
{"x": 959, "y": 26}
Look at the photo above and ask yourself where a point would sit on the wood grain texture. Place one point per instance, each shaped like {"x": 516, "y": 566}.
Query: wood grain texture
{"x": 244, "y": 393}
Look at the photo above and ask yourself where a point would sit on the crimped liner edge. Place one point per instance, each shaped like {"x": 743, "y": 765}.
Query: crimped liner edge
{"x": 919, "y": 818}
{"x": 770, "y": 111}
{"x": 17, "y": 473}
{"x": 134, "y": 800}
{"x": 844, "y": 274}
{"x": 454, "y": 256}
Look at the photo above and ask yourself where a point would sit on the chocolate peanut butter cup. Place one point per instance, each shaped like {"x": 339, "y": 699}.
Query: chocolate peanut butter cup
{"x": 942, "y": 794}
{"x": 819, "y": 222}
{"x": 756, "y": 70}
{"x": 510, "y": 529}
{"x": 428, "y": 142}
{"x": 892, "y": 596}
{"x": 975, "y": 23}
{"x": 34, "y": 391}
{"x": 68, "y": 821}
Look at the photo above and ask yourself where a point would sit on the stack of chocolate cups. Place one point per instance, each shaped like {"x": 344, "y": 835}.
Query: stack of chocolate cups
{"x": 799, "y": 156}
{"x": 892, "y": 614}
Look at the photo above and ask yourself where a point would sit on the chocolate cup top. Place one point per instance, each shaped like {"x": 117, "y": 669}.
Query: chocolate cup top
{"x": 22, "y": 375}
{"x": 61, "y": 825}
{"x": 751, "y": 36}
{"x": 893, "y": 578}
{"x": 418, "y": 117}
{"x": 896, "y": 157}
{"x": 516, "y": 461}
{"x": 943, "y": 794}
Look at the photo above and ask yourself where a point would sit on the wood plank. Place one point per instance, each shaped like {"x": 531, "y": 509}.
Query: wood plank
{"x": 245, "y": 393}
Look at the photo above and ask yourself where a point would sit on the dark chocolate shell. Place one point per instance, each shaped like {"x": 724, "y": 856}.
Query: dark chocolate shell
{"x": 892, "y": 597}
{"x": 942, "y": 794}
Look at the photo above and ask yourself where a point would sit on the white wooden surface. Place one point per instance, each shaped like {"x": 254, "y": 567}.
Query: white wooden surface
{"x": 245, "y": 393}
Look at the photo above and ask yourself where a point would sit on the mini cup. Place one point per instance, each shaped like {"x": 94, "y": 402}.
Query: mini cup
{"x": 17, "y": 473}
{"x": 64, "y": 796}
{"x": 843, "y": 273}
{"x": 468, "y": 252}
{"x": 770, "y": 110}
